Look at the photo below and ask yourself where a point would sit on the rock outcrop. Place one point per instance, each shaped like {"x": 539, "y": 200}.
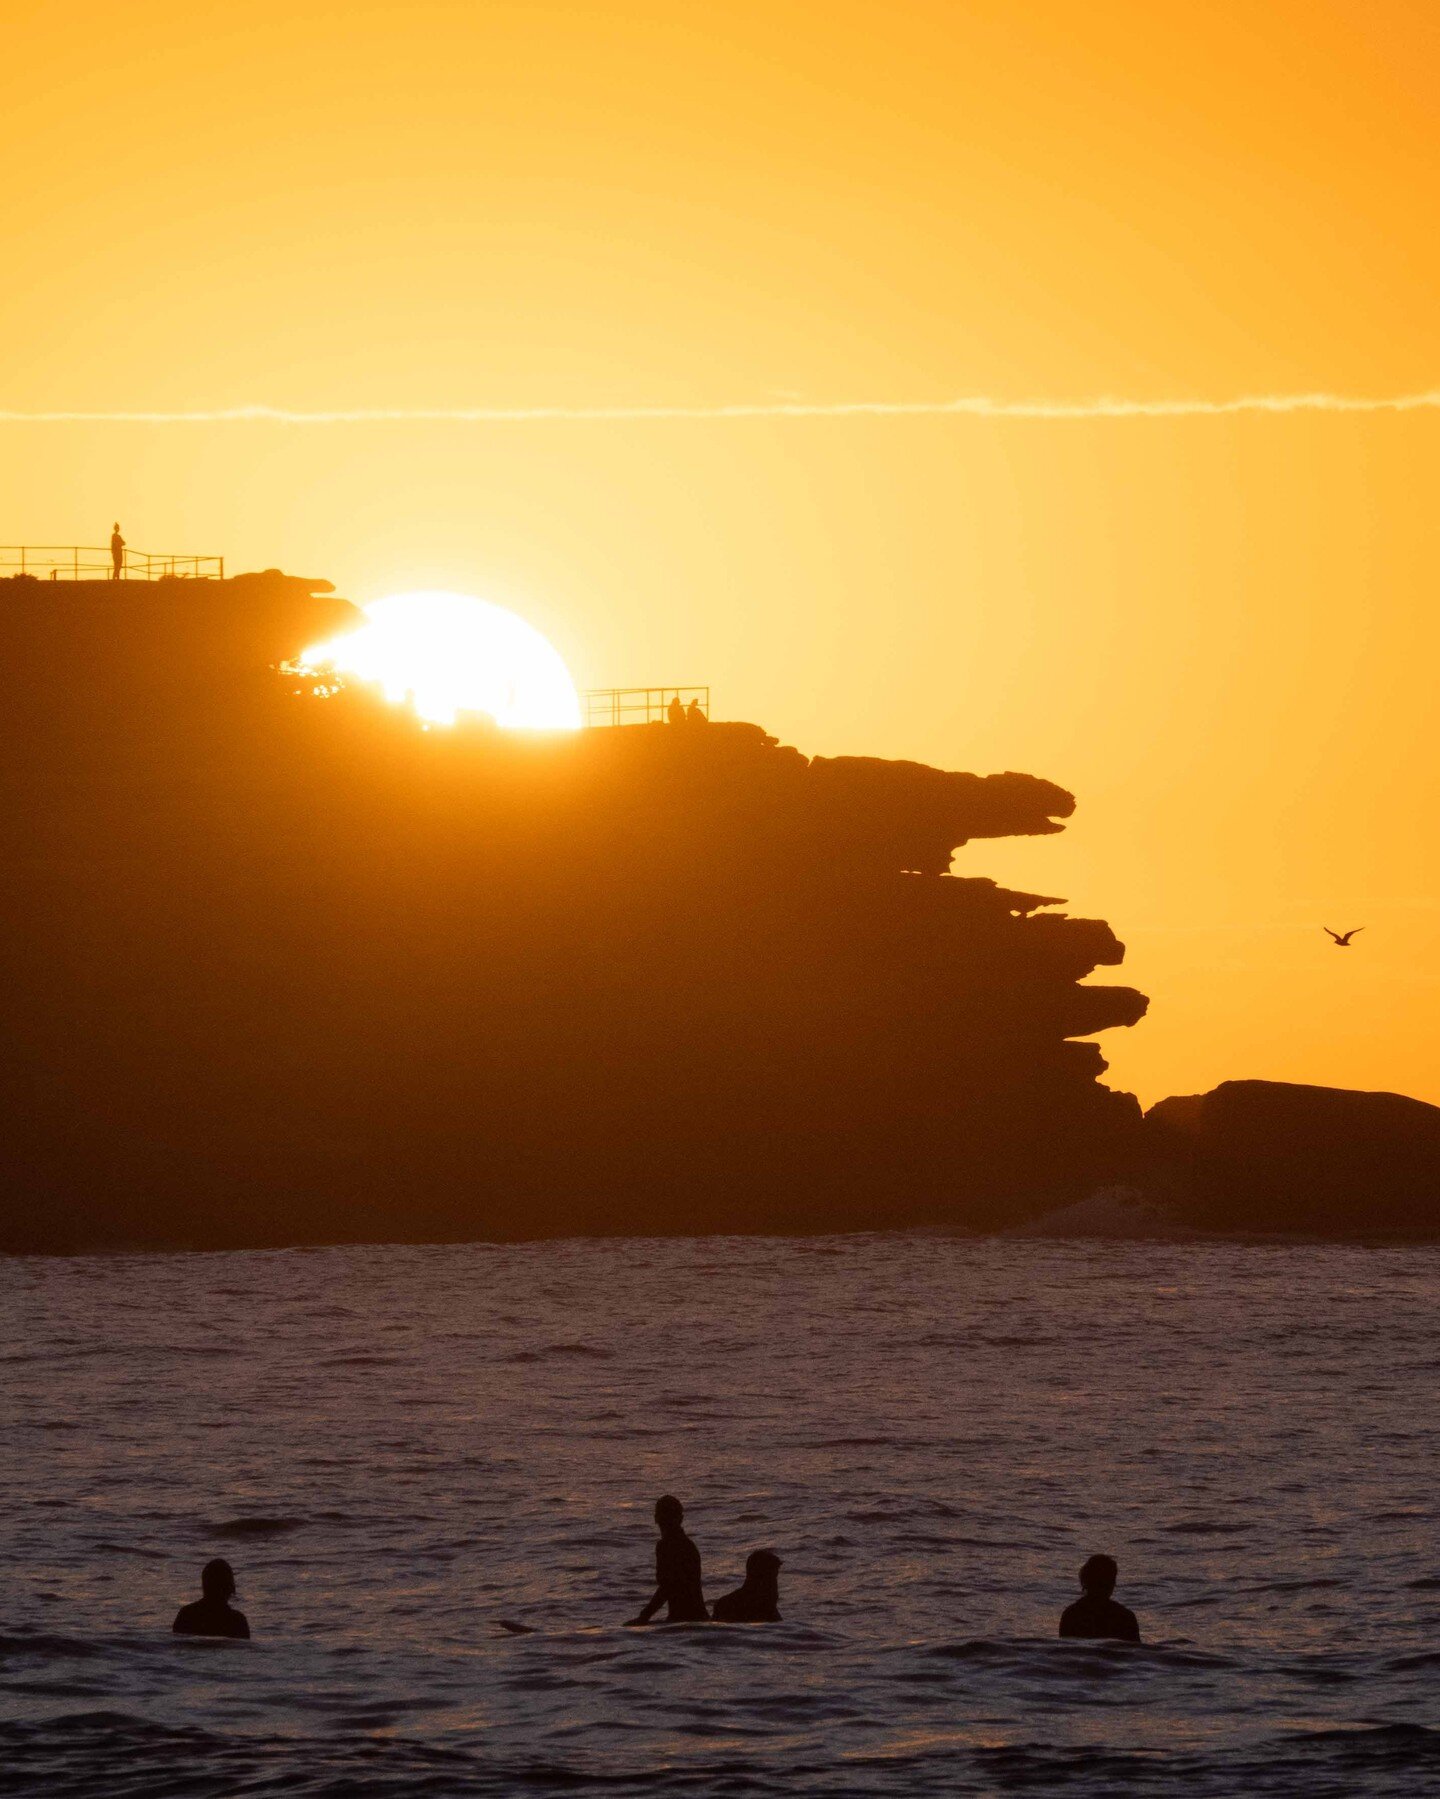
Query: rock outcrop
{"x": 1272, "y": 1158}
{"x": 281, "y": 968}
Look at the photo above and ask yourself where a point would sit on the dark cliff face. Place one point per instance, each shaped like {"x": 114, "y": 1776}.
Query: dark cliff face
{"x": 285, "y": 969}
{"x": 1267, "y": 1156}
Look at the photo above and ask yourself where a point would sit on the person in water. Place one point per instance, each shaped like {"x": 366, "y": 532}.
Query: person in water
{"x": 212, "y": 1615}
{"x": 758, "y": 1601}
{"x": 677, "y": 1570}
{"x": 1095, "y": 1613}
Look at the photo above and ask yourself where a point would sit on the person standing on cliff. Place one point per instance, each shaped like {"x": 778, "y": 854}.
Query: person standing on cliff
{"x": 117, "y": 552}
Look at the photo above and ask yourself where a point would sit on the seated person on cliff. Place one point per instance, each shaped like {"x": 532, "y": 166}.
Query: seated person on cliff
{"x": 677, "y": 1570}
{"x": 1095, "y": 1614}
{"x": 212, "y": 1615}
{"x": 758, "y": 1601}
{"x": 675, "y": 711}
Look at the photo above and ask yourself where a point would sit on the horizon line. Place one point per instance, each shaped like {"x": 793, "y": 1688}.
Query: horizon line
{"x": 981, "y": 406}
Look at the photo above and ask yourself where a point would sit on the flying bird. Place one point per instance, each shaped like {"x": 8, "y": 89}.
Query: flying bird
{"x": 1342, "y": 942}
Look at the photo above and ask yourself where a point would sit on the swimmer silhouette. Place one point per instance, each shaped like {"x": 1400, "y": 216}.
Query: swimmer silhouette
{"x": 212, "y": 1615}
{"x": 758, "y": 1601}
{"x": 1096, "y": 1614}
{"x": 677, "y": 1570}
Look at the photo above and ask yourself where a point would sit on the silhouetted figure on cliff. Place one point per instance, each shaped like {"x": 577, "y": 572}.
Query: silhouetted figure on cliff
{"x": 675, "y": 711}
{"x": 117, "y": 552}
{"x": 677, "y": 1570}
{"x": 758, "y": 1601}
{"x": 212, "y": 1615}
{"x": 694, "y": 715}
{"x": 1096, "y": 1614}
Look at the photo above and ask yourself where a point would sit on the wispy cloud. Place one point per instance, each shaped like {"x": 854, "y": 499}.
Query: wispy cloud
{"x": 978, "y": 406}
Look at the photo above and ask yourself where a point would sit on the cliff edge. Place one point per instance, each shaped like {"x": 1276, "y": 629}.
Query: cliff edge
{"x": 283, "y": 968}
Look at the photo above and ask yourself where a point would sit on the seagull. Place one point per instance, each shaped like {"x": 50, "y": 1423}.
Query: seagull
{"x": 1342, "y": 942}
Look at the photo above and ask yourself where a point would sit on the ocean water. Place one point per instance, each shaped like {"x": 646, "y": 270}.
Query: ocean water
{"x": 398, "y": 1447}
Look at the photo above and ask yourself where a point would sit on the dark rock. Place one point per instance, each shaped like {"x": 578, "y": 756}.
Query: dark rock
{"x": 281, "y": 968}
{"x": 1269, "y": 1157}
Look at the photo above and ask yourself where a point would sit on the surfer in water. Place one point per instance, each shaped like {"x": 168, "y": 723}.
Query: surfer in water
{"x": 758, "y": 1601}
{"x": 212, "y": 1615}
{"x": 677, "y": 1570}
{"x": 1095, "y": 1614}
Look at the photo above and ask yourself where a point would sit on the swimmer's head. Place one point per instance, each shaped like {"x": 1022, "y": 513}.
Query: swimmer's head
{"x": 669, "y": 1512}
{"x": 1099, "y": 1575}
{"x": 217, "y": 1579}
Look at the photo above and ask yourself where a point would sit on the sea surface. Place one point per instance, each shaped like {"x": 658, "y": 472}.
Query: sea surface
{"x": 398, "y": 1447}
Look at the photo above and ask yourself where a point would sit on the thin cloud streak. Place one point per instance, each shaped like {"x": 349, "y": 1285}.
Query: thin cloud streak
{"x": 978, "y": 406}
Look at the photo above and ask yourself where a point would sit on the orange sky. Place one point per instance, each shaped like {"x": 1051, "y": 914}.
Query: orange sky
{"x": 1222, "y": 633}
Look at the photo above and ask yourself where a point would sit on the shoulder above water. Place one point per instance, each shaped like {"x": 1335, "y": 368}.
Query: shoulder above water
{"x": 1099, "y": 1620}
{"x": 203, "y": 1618}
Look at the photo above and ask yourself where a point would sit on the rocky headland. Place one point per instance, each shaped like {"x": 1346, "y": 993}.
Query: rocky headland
{"x": 284, "y": 968}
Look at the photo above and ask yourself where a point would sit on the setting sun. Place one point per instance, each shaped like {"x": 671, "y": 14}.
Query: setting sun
{"x": 448, "y": 653}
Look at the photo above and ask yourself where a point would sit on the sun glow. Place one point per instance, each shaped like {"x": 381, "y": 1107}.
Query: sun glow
{"x": 448, "y": 653}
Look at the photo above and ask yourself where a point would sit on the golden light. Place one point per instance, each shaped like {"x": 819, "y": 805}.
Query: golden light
{"x": 448, "y": 653}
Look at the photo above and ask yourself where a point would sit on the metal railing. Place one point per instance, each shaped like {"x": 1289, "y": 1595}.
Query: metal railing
{"x": 639, "y": 705}
{"x": 87, "y": 562}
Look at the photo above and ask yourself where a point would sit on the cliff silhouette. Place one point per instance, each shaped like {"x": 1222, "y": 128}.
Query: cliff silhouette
{"x": 282, "y": 968}
{"x": 1275, "y": 1158}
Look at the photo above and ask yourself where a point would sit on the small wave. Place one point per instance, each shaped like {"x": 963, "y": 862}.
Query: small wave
{"x": 1051, "y": 1656}
{"x": 149, "y": 1555}
{"x": 256, "y": 1527}
{"x": 54, "y": 1689}
{"x": 1296, "y": 1586}
{"x": 580, "y": 1351}
{"x": 975, "y": 1649}
{"x": 1367, "y": 1750}
{"x": 1320, "y": 1674}
{"x": 49, "y": 1647}
{"x": 128, "y": 1724}
{"x": 1111, "y": 1213}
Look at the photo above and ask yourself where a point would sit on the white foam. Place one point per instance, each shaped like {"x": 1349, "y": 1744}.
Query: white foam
{"x": 1112, "y": 1212}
